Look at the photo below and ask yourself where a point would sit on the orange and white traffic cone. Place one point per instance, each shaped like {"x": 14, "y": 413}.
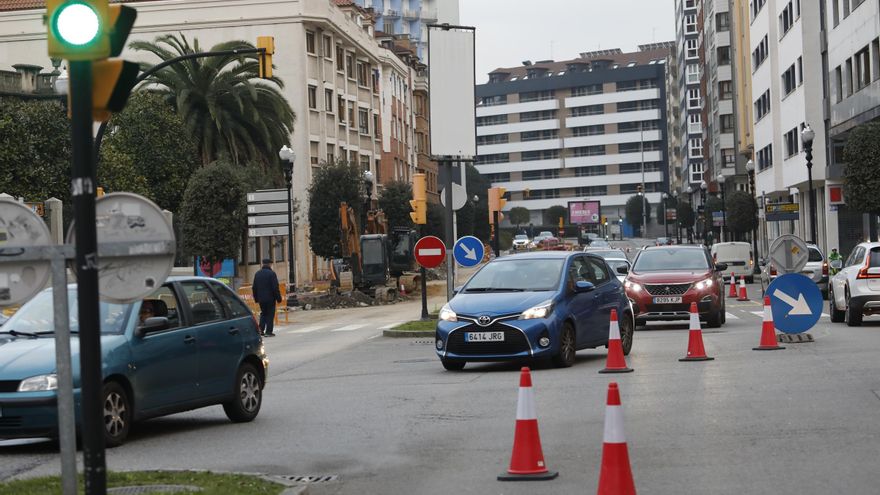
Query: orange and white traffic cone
{"x": 402, "y": 289}
{"x": 615, "y": 475}
{"x": 527, "y": 459}
{"x": 615, "y": 362}
{"x": 742, "y": 289}
{"x": 768, "y": 330}
{"x": 732, "y": 292}
{"x": 696, "y": 351}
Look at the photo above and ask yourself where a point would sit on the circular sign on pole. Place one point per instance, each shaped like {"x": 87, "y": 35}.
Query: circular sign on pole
{"x": 459, "y": 196}
{"x": 796, "y": 303}
{"x": 430, "y": 251}
{"x": 128, "y": 217}
{"x": 468, "y": 251}
{"x": 789, "y": 254}
{"x": 21, "y": 228}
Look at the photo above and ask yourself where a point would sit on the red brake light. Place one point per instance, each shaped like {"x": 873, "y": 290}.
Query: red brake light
{"x": 772, "y": 271}
{"x": 825, "y": 268}
{"x": 863, "y": 272}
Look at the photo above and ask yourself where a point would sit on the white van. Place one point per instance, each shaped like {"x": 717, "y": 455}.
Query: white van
{"x": 739, "y": 259}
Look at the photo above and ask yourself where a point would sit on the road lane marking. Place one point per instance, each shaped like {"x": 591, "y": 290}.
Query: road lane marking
{"x": 391, "y": 325}
{"x": 757, "y": 313}
{"x": 308, "y": 329}
{"x": 731, "y": 316}
{"x": 348, "y": 328}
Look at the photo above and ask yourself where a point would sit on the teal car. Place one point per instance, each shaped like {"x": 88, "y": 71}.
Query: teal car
{"x": 192, "y": 343}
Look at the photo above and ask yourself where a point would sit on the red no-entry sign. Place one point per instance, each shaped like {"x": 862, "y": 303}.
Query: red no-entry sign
{"x": 430, "y": 252}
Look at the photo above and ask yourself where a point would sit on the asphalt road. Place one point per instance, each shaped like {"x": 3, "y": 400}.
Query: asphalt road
{"x": 383, "y": 417}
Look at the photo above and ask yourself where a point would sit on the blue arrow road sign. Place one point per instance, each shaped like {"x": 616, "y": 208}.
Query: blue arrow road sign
{"x": 468, "y": 251}
{"x": 796, "y": 303}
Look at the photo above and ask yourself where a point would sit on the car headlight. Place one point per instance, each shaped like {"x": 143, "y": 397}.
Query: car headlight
{"x": 704, "y": 284}
{"x": 39, "y": 383}
{"x": 632, "y": 285}
{"x": 447, "y": 314}
{"x": 542, "y": 310}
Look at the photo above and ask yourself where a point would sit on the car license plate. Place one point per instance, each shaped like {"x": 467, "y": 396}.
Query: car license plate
{"x": 484, "y": 336}
{"x": 667, "y": 300}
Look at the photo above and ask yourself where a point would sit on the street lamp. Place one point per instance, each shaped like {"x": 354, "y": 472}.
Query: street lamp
{"x": 703, "y": 187}
{"x": 665, "y": 205}
{"x": 690, "y": 228}
{"x": 807, "y": 136}
{"x": 721, "y": 180}
{"x": 287, "y": 157}
{"x": 620, "y": 222}
{"x": 750, "y": 168}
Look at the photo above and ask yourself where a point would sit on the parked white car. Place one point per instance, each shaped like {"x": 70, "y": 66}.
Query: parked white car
{"x": 855, "y": 291}
{"x": 521, "y": 242}
{"x": 738, "y": 258}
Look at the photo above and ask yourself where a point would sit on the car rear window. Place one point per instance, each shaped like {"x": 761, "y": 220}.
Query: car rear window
{"x": 654, "y": 260}
{"x": 874, "y": 257}
{"x": 815, "y": 255}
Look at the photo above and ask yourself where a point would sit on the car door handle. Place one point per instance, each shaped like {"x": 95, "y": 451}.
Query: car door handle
{"x": 233, "y": 331}
{"x": 189, "y": 339}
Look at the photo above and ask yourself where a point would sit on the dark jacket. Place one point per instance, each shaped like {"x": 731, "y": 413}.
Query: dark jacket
{"x": 265, "y": 286}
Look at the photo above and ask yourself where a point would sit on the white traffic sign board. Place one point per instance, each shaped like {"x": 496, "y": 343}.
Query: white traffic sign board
{"x": 276, "y": 207}
{"x": 21, "y": 228}
{"x": 268, "y": 220}
{"x": 268, "y": 231}
{"x": 267, "y": 195}
{"x": 459, "y": 196}
{"x": 789, "y": 254}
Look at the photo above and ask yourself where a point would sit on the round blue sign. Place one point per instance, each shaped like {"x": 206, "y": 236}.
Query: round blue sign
{"x": 796, "y": 303}
{"x": 468, "y": 251}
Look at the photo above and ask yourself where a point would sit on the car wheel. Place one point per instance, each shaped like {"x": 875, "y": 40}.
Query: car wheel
{"x": 626, "y": 333}
{"x": 567, "y": 347}
{"x": 248, "y": 398}
{"x": 451, "y": 365}
{"x": 715, "y": 321}
{"x": 852, "y": 318}
{"x": 117, "y": 414}
{"x": 836, "y": 314}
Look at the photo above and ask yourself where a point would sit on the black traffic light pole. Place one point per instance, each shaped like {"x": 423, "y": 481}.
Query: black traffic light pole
{"x": 83, "y": 191}
{"x": 99, "y": 137}
{"x": 424, "y": 282}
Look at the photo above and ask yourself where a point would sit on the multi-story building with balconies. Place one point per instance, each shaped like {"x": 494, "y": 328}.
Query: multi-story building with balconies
{"x": 592, "y": 128}
{"x": 411, "y": 17}
{"x": 687, "y": 43}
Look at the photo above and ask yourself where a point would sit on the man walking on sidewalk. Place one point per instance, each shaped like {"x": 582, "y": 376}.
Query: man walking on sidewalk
{"x": 266, "y": 294}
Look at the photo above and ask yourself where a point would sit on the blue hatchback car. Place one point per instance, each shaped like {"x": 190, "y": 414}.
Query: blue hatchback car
{"x": 192, "y": 343}
{"x": 534, "y": 305}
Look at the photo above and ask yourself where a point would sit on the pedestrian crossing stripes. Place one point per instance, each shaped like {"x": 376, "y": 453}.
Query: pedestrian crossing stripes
{"x": 348, "y": 328}
{"x": 390, "y": 325}
{"x": 731, "y": 316}
{"x": 308, "y": 329}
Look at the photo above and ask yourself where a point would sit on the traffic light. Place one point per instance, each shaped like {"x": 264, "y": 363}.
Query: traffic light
{"x": 75, "y": 29}
{"x": 112, "y": 82}
{"x": 419, "y": 203}
{"x": 496, "y": 203}
{"x": 267, "y": 43}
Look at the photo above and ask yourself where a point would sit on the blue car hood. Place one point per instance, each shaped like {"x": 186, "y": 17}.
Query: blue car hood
{"x": 497, "y": 303}
{"x": 22, "y": 357}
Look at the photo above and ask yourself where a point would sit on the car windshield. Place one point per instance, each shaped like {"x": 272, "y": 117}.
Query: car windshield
{"x": 517, "y": 275}
{"x": 522, "y": 237}
{"x": 607, "y": 253}
{"x": 599, "y": 243}
{"x": 655, "y": 260}
{"x": 37, "y": 316}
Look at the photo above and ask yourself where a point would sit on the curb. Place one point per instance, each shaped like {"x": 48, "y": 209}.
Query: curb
{"x": 297, "y": 490}
{"x": 404, "y": 334}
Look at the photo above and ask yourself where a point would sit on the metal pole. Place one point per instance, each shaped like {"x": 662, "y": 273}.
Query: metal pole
{"x": 754, "y": 229}
{"x": 723, "y": 213}
{"x": 813, "y": 224}
{"x": 450, "y": 242}
{"x": 424, "y": 283}
{"x": 291, "y": 266}
{"x": 83, "y": 192}
{"x": 496, "y": 241}
{"x": 644, "y": 191}
{"x": 66, "y": 414}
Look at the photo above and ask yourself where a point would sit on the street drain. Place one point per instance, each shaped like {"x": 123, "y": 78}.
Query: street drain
{"x": 422, "y": 342}
{"x": 796, "y": 338}
{"x": 137, "y": 490}
{"x": 309, "y": 479}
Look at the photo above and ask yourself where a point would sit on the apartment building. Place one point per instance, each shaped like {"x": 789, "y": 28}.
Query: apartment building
{"x": 687, "y": 44}
{"x": 853, "y": 32}
{"x": 673, "y": 124}
{"x": 788, "y": 94}
{"x": 411, "y": 18}
{"x": 742, "y": 91}
{"x": 583, "y": 129}
{"x": 327, "y": 55}
{"x": 397, "y": 71}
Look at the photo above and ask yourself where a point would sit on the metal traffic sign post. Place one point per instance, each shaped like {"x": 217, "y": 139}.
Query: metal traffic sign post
{"x": 269, "y": 214}
{"x": 796, "y": 303}
{"x": 789, "y": 254}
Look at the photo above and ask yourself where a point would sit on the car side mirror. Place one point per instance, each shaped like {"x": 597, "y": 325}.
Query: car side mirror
{"x": 583, "y": 286}
{"x": 623, "y": 269}
{"x": 153, "y": 324}
{"x": 720, "y": 267}
{"x": 456, "y": 290}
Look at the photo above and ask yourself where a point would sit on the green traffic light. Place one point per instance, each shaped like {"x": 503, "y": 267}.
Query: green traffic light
{"x": 77, "y": 24}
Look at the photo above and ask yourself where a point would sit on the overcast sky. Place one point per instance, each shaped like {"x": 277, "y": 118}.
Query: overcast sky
{"x": 510, "y": 31}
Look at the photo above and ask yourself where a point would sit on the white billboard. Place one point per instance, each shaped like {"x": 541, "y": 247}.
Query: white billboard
{"x": 451, "y": 80}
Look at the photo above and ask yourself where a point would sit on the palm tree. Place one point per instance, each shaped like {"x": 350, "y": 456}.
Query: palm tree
{"x": 225, "y": 110}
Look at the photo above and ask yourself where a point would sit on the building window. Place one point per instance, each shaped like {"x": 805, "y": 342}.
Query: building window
{"x": 645, "y": 125}
{"x": 310, "y": 42}
{"x": 340, "y": 108}
{"x": 363, "y": 121}
{"x": 863, "y": 68}
{"x": 533, "y": 116}
{"x": 493, "y": 158}
{"x": 349, "y": 66}
{"x": 765, "y": 157}
{"x": 528, "y": 156}
{"x": 722, "y": 21}
{"x": 363, "y": 74}
{"x": 835, "y": 9}
{"x": 536, "y": 96}
{"x": 327, "y": 47}
{"x": 493, "y": 139}
{"x": 723, "y": 55}
{"x": 538, "y": 135}
{"x": 502, "y": 177}
{"x": 488, "y": 101}
{"x": 632, "y": 106}
{"x": 786, "y": 19}
{"x": 757, "y": 5}
{"x": 789, "y": 80}
{"x": 791, "y": 143}
{"x": 695, "y": 147}
{"x": 328, "y": 100}
{"x": 587, "y": 110}
{"x": 693, "y": 74}
{"x": 351, "y": 113}
{"x": 591, "y": 190}
{"x": 593, "y": 89}
{"x": 313, "y": 97}
{"x": 589, "y": 150}
{"x": 544, "y": 194}
{"x": 590, "y": 171}
{"x": 762, "y": 106}
{"x": 690, "y": 24}
{"x": 540, "y": 174}
{"x": 639, "y": 146}
{"x": 691, "y": 49}
{"x": 340, "y": 58}
{"x": 590, "y": 130}
{"x": 848, "y": 86}
{"x": 760, "y": 53}
{"x": 800, "y": 69}
{"x": 491, "y": 120}
{"x": 636, "y": 168}
{"x": 838, "y": 84}
{"x": 694, "y": 98}
{"x": 728, "y": 157}
{"x": 331, "y": 153}
{"x": 725, "y": 90}
{"x": 726, "y": 122}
